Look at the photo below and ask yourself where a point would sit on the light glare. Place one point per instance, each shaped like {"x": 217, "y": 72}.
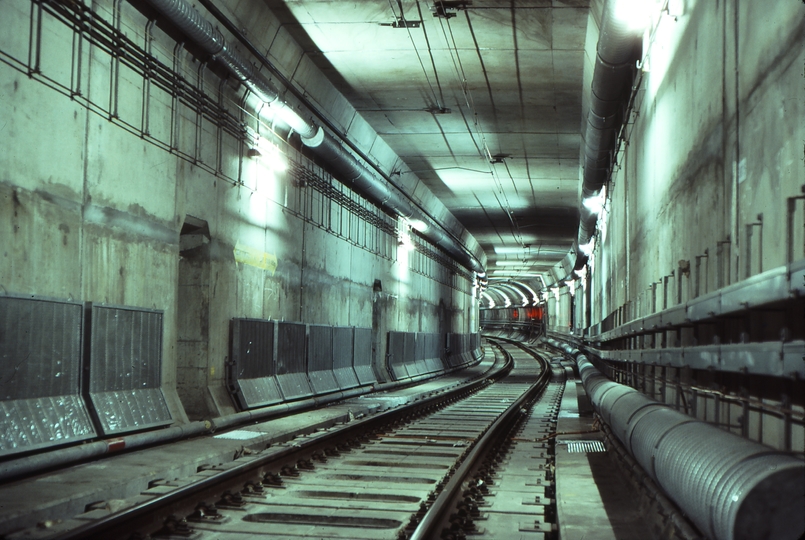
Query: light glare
{"x": 635, "y": 14}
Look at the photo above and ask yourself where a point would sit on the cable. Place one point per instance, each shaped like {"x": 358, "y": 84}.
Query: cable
{"x": 416, "y": 51}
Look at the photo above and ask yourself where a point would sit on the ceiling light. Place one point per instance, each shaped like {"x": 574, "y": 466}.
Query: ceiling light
{"x": 489, "y": 298}
{"x": 513, "y": 274}
{"x": 634, "y": 13}
{"x": 506, "y": 250}
{"x": 588, "y": 248}
{"x": 418, "y": 225}
{"x": 268, "y": 153}
{"x": 522, "y": 250}
{"x": 514, "y": 263}
{"x": 595, "y": 203}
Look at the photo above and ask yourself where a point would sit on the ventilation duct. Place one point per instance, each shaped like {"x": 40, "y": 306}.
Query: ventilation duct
{"x": 618, "y": 50}
{"x": 318, "y": 144}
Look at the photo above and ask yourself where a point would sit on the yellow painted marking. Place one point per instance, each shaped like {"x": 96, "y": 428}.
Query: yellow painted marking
{"x": 254, "y": 257}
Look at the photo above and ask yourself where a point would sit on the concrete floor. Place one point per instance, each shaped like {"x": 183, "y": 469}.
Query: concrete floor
{"x": 593, "y": 500}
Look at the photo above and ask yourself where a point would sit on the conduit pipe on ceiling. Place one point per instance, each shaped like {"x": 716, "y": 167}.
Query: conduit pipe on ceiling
{"x": 730, "y": 487}
{"x": 618, "y": 50}
{"x": 319, "y": 144}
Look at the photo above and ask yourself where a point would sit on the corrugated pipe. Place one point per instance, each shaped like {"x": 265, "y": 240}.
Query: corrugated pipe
{"x": 618, "y": 50}
{"x": 320, "y": 145}
{"x": 731, "y": 488}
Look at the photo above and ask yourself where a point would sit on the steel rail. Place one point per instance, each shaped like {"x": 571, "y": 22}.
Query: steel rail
{"x": 445, "y": 502}
{"x": 161, "y": 505}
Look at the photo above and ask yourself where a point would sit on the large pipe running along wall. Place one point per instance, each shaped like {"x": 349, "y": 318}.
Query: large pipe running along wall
{"x": 730, "y": 487}
{"x": 321, "y": 145}
{"x": 617, "y": 51}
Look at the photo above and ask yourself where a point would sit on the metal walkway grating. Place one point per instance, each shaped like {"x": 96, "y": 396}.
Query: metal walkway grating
{"x": 585, "y": 447}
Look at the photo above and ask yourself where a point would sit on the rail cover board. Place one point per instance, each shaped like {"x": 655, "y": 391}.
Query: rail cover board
{"x": 320, "y": 359}
{"x": 291, "y": 360}
{"x": 252, "y": 370}
{"x": 396, "y": 356}
{"x": 362, "y": 358}
{"x": 343, "y": 357}
{"x": 40, "y": 375}
{"x": 125, "y": 369}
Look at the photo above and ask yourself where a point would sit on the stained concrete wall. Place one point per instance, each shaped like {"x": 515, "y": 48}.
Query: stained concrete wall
{"x": 97, "y": 178}
{"x": 714, "y": 159}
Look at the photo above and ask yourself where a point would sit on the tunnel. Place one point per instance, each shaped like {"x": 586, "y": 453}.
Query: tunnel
{"x": 248, "y": 247}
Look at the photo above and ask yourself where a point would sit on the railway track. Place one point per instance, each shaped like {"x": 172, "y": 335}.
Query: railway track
{"x": 477, "y": 461}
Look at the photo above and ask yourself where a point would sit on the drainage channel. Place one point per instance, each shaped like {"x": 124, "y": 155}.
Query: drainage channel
{"x": 367, "y": 486}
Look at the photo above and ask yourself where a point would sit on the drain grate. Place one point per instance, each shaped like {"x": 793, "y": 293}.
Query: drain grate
{"x": 584, "y": 446}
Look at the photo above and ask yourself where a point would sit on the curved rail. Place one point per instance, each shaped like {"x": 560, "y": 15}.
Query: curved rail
{"x": 175, "y": 501}
{"x": 445, "y": 502}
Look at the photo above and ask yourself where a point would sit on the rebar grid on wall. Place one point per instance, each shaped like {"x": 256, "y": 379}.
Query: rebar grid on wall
{"x": 714, "y": 405}
{"x": 207, "y": 115}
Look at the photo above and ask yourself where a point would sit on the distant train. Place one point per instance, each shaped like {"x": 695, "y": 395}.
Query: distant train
{"x": 522, "y": 323}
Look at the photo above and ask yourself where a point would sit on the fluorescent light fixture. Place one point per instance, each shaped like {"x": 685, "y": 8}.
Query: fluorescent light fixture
{"x": 634, "y": 13}
{"x": 517, "y": 291}
{"x": 404, "y": 240}
{"x": 489, "y": 298}
{"x": 293, "y": 119}
{"x": 418, "y": 225}
{"x": 530, "y": 290}
{"x": 571, "y": 284}
{"x": 514, "y": 273}
{"x": 508, "y": 250}
{"x": 588, "y": 248}
{"x": 520, "y": 250}
{"x": 268, "y": 153}
{"x": 596, "y": 203}
{"x": 582, "y": 273}
{"x": 514, "y": 263}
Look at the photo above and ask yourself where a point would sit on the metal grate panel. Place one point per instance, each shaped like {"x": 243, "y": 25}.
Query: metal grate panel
{"x": 584, "y": 447}
{"x": 414, "y": 368}
{"x": 40, "y": 374}
{"x": 251, "y": 372}
{"x": 362, "y": 359}
{"x": 320, "y": 359}
{"x": 343, "y": 353}
{"x": 396, "y": 356}
{"x": 456, "y": 346}
{"x": 125, "y": 367}
{"x": 419, "y": 353}
{"x": 291, "y": 368}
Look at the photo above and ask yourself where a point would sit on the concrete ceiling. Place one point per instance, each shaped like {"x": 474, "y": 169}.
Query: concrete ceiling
{"x": 484, "y": 105}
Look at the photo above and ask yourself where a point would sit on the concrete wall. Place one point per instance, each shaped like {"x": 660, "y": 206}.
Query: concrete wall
{"x": 714, "y": 160}
{"x": 100, "y": 169}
